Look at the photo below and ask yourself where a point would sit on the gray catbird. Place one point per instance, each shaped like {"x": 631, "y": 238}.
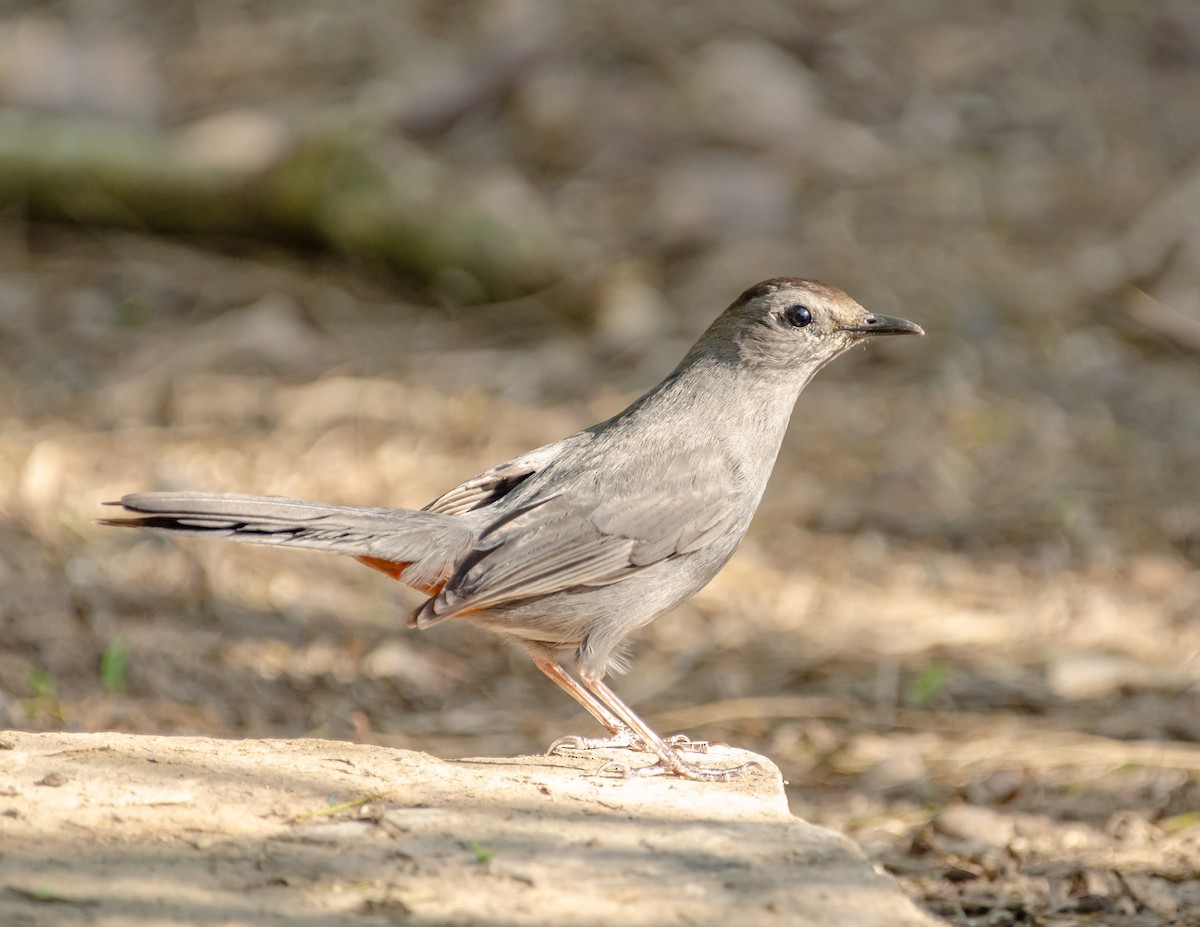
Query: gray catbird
{"x": 570, "y": 547}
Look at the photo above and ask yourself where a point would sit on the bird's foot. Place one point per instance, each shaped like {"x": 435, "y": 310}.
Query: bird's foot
{"x": 678, "y": 767}
{"x": 623, "y": 740}
{"x": 628, "y": 740}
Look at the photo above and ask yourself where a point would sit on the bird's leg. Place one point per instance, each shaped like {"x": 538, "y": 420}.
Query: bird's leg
{"x": 621, "y": 736}
{"x": 669, "y": 760}
{"x": 619, "y": 733}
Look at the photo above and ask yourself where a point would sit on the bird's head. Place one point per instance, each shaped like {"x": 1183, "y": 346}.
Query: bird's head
{"x": 797, "y": 325}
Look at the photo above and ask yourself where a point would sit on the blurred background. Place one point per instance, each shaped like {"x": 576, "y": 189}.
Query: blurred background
{"x": 360, "y": 252}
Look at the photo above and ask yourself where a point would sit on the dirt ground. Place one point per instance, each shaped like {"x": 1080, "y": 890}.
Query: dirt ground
{"x": 966, "y": 622}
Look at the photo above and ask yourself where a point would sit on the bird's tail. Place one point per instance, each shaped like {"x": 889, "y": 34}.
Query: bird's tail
{"x": 414, "y": 547}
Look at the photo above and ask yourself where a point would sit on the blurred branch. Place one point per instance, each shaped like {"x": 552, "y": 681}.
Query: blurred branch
{"x": 1162, "y": 225}
{"x": 355, "y": 191}
{"x": 1162, "y": 319}
{"x": 1131, "y": 263}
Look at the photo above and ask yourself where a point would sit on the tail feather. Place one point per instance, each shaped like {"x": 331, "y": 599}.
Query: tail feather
{"x": 426, "y": 540}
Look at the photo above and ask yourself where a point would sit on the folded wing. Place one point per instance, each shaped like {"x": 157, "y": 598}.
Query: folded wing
{"x": 588, "y": 534}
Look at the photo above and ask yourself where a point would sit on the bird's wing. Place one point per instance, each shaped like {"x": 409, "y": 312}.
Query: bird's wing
{"x": 591, "y": 533}
{"x": 495, "y": 483}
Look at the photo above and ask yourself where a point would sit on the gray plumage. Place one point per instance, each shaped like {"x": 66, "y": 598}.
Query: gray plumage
{"x": 570, "y": 547}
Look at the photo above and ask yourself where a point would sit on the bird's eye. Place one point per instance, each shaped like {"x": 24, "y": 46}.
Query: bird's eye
{"x": 797, "y": 315}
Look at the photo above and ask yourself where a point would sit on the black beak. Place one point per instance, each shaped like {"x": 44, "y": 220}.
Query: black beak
{"x": 885, "y": 325}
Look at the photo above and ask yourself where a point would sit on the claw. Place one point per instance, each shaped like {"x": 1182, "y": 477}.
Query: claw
{"x": 620, "y": 770}
{"x": 687, "y": 745}
{"x": 625, "y": 740}
{"x": 681, "y": 769}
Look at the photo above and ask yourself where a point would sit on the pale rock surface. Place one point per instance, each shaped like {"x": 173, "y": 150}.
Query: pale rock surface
{"x": 120, "y": 830}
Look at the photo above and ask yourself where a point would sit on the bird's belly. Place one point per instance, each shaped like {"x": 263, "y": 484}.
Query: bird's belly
{"x": 610, "y": 612}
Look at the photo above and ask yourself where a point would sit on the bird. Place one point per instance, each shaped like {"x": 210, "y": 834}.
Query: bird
{"x": 567, "y": 549}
